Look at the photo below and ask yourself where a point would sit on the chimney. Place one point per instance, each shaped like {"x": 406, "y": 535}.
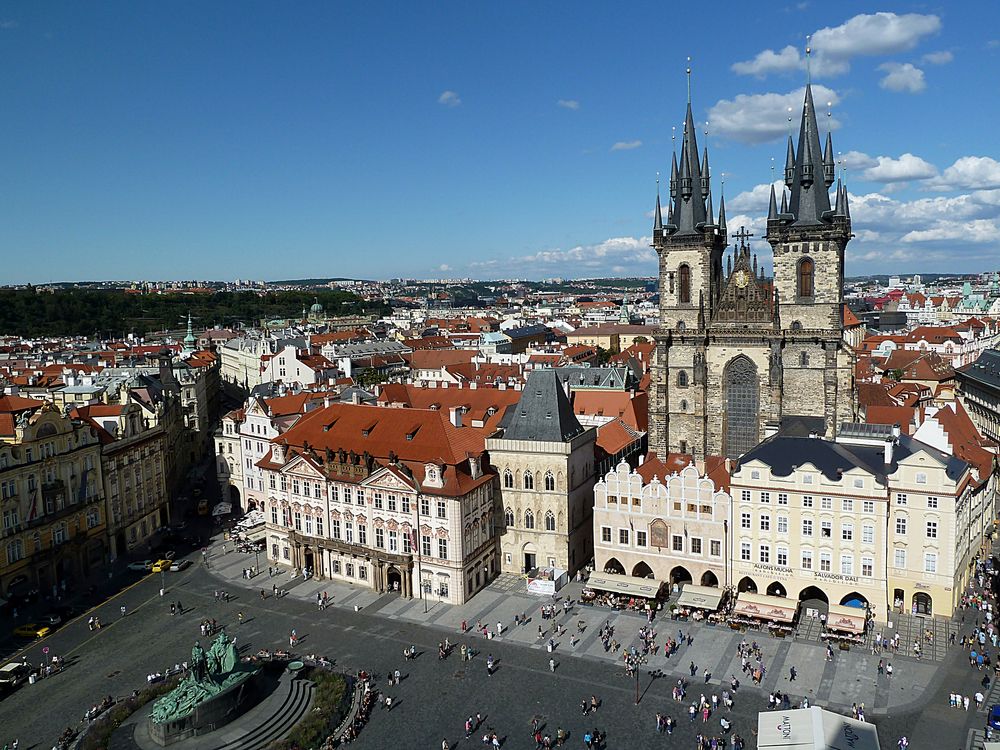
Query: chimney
{"x": 889, "y": 444}
{"x": 326, "y": 401}
{"x": 455, "y": 415}
{"x": 356, "y": 397}
{"x": 642, "y": 459}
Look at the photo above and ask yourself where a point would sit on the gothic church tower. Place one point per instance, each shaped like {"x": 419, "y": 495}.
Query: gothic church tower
{"x": 736, "y": 351}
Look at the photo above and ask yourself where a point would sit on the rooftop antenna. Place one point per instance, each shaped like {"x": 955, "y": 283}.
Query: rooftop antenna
{"x": 689, "y": 78}
{"x": 808, "y": 61}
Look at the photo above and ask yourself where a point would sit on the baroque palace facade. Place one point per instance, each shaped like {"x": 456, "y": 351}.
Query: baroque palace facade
{"x": 737, "y": 351}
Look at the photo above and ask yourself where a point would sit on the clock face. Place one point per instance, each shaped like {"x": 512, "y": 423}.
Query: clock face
{"x": 742, "y": 278}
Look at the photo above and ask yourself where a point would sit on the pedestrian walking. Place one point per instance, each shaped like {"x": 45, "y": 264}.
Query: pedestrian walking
{"x": 791, "y": 674}
{"x": 552, "y": 665}
{"x": 239, "y": 616}
{"x": 489, "y": 665}
{"x": 123, "y": 610}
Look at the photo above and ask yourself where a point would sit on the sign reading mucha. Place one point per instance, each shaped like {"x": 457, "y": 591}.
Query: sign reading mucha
{"x": 659, "y": 533}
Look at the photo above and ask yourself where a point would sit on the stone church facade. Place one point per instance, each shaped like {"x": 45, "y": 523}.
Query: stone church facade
{"x": 737, "y": 354}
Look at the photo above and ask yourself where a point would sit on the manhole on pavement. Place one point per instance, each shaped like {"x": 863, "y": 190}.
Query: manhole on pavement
{"x": 459, "y": 675}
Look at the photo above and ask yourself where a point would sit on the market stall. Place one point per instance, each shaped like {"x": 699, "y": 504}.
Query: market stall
{"x": 756, "y": 610}
{"x": 546, "y": 581}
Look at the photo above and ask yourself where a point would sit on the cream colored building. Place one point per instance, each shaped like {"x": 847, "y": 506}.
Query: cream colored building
{"x": 50, "y": 498}
{"x": 545, "y": 459}
{"x": 664, "y": 520}
{"x": 876, "y": 518}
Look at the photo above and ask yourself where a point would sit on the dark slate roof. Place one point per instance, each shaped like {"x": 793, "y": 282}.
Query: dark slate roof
{"x": 619, "y": 378}
{"x": 785, "y": 454}
{"x": 532, "y": 330}
{"x": 543, "y": 413}
{"x": 793, "y": 425}
{"x": 985, "y": 370}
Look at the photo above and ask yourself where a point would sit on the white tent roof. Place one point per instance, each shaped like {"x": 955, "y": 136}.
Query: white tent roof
{"x": 700, "y": 597}
{"x": 813, "y": 728}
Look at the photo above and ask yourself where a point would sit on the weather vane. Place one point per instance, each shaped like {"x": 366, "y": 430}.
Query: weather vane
{"x": 689, "y": 78}
{"x": 808, "y": 59}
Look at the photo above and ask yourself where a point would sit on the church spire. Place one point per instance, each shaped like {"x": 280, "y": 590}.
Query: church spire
{"x": 772, "y": 209}
{"x": 810, "y": 200}
{"x": 789, "y": 164}
{"x": 689, "y": 204}
{"x": 709, "y": 211}
{"x": 829, "y": 168}
{"x": 839, "y": 208}
{"x": 722, "y": 214}
{"x": 657, "y": 214}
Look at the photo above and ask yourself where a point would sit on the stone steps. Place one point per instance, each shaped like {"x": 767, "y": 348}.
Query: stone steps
{"x": 294, "y": 706}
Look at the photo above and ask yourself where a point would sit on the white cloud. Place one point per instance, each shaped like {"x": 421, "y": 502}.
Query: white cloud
{"x": 755, "y": 118}
{"x": 978, "y": 231}
{"x": 444, "y": 267}
{"x": 874, "y": 34}
{"x": 568, "y": 103}
{"x": 769, "y": 61}
{"x": 906, "y": 167}
{"x": 626, "y": 145}
{"x": 834, "y": 46}
{"x": 449, "y": 99}
{"x": 900, "y": 77}
{"x": 970, "y": 172}
{"x": 856, "y": 160}
{"x": 938, "y": 58}
{"x": 756, "y": 199}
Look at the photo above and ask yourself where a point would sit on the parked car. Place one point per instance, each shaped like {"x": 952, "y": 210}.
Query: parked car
{"x": 161, "y": 565}
{"x": 179, "y": 565}
{"x": 52, "y": 619}
{"x": 994, "y": 720}
{"x": 32, "y": 630}
{"x": 13, "y": 674}
{"x": 141, "y": 565}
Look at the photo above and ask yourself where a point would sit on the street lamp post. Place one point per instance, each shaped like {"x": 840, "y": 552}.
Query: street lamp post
{"x": 634, "y": 662}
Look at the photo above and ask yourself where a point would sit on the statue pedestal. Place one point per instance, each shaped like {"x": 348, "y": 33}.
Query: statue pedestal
{"x": 210, "y": 714}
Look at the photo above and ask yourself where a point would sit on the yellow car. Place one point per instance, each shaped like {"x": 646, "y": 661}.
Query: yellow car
{"x": 161, "y": 565}
{"x": 32, "y": 630}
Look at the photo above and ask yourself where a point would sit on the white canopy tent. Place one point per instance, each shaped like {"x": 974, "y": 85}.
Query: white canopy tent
{"x": 848, "y": 619}
{"x": 762, "y": 607}
{"x": 813, "y": 728}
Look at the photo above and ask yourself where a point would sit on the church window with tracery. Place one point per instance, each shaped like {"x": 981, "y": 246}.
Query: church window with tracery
{"x": 742, "y": 406}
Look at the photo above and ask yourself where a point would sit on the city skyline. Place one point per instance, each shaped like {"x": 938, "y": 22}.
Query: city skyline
{"x": 470, "y": 141}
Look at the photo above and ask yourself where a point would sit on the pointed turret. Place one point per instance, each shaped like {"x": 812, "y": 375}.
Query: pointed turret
{"x": 772, "y": 209}
{"x": 709, "y": 211}
{"x": 847, "y": 204}
{"x": 722, "y": 214}
{"x": 828, "y": 166}
{"x": 839, "y": 208}
{"x": 673, "y": 177}
{"x": 789, "y": 164}
{"x": 810, "y": 200}
{"x": 784, "y": 202}
{"x": 705, "y": 174}
{"x": 657, "y": 216}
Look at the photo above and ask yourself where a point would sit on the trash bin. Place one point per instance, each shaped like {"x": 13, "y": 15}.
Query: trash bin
{"x": 549, "y": 647}
{"x": 31, "y": 679}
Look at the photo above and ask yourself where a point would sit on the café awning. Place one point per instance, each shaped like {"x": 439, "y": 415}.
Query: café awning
{"x": 700, "y": 597}
{"x": 847, "y": 619}
{"x": 813, "y": 728}
{"x": 646, "y": 588}
{"x": 256, "y": 534}
{"x": 761, "y": 607}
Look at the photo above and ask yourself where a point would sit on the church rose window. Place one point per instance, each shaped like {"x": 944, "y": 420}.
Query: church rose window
{"x": 806, "y": 277}
{"x": 684, "y": 284}
{"x": 741, "y": 395}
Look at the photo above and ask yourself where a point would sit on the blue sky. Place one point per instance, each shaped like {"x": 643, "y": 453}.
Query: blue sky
{"x": 266, "y": 140}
